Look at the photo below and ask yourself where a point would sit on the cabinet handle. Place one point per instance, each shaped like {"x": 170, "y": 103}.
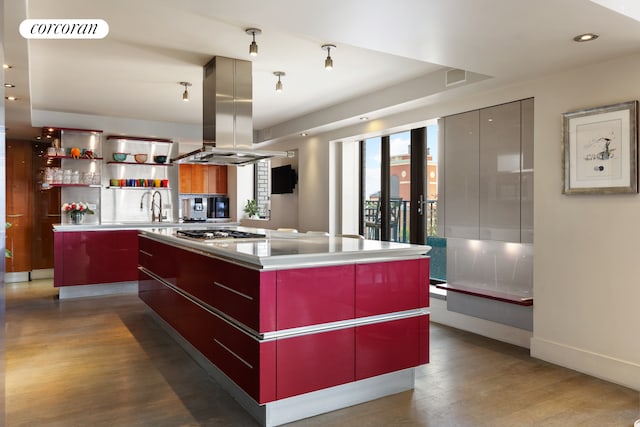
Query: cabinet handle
{"x": 145, "y": 252}
{"x": 56, "y": 215}
{"x": 220, "y": 285}
{"x": 234, "y": 354}
{"x": 14, "y": 215}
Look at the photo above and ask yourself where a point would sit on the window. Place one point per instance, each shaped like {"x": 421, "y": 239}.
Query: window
{"x": 262, "y": 187}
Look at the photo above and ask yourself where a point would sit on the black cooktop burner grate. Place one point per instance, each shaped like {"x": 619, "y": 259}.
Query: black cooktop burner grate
{"x": 209, "y": 234}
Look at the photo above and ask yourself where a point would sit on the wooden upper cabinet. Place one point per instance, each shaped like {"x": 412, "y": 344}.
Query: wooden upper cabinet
{"x": 217, "y": 179}
{"x": 203, "y": 179}
{"x": 185, "y": 179}
{"x": 199, "y": 182}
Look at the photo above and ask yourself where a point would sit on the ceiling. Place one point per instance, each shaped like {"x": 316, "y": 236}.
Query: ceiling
{"x": 152, "y": 45}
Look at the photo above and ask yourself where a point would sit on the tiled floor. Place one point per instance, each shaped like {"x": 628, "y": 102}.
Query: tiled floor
{"x": 103, "y": 362}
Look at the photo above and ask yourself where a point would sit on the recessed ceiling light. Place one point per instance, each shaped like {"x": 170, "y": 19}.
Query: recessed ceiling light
{"x": 9, "y": 85}
{"x": 10, "y": 98}
{"x": 303, "y": 134}
{"x": 586, "y": 37}
{"x": 5, "y": 66}
{"x": 364, "y": 119}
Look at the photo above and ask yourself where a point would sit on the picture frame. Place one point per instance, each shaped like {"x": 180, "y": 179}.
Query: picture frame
{"x": 600, "y": 150}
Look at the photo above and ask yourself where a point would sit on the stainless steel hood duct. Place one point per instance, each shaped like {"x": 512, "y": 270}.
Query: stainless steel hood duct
{"x": 227, "y": 116}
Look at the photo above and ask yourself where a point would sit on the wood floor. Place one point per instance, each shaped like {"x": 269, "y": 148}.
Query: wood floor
{"x": 103, "y": 362}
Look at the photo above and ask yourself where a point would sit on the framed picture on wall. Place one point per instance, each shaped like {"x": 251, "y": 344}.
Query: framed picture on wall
{"x": 600, "y": 147}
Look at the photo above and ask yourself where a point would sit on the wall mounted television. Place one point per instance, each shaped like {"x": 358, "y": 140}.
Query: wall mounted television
{"x": 283, "y": 179}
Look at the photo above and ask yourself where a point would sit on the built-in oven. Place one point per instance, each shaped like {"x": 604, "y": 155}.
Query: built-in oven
{"x": 218, "y": 207}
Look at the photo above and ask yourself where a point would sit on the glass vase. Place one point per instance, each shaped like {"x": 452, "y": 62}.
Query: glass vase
{"x": 76, "y": 217}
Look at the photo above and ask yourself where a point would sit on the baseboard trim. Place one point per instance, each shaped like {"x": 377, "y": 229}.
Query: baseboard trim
{"x": 80, "y": 291}
{"x": 597, "y": 365}
{"x": 16, "y": 276}
{"x": 43, "y": 273}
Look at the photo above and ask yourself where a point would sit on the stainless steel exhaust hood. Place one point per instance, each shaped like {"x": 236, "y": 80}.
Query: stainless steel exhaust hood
{"x": 227, "y": 117}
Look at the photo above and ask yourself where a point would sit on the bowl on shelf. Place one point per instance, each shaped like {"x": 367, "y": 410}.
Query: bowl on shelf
{"x": 159, "y": 159}
{"x": 140, "y": 157}
{"x": 120, "y": 157}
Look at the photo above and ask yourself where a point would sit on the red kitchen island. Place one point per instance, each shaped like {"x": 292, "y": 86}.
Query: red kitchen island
{"x": 292, "y": 325}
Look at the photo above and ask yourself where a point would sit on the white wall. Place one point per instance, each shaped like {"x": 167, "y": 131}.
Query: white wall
{"x": 587, "y": 292}
{"x": 310, "y": 201}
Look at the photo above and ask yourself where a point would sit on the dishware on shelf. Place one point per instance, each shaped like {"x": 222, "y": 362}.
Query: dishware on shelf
{"x": 140, "y": 157}
{"x": 120, "y": 157}
{"x": 66, "y": 176}
{"x": 159, "y": 159}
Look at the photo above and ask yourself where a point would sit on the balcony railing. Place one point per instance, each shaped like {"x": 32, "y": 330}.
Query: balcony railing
{"x": 399, "y": 219}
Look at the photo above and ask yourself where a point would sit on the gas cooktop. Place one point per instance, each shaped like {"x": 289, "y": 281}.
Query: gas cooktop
{"x": 211, "y": 233}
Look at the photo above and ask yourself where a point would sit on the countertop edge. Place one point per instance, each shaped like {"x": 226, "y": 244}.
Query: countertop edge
{"x": 266, "y": 263}
{"x": 136, "y": 226}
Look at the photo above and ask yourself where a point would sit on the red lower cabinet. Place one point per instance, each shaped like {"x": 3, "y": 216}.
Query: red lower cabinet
{"x": 310, "y": 296}
{"x": 219, "y": 307}
{"x": 314, "y": 362}
{"x": 188, "y": 319}
{"x": 249, "y": 363}
{"x": 387, "y": 287}
{"x": 159, "y": 258}
{"x": 95, "y": 257}
{"x": 391, "y": 346}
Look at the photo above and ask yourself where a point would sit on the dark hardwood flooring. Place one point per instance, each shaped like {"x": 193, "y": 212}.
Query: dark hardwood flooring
{"x": 103, "y": 362}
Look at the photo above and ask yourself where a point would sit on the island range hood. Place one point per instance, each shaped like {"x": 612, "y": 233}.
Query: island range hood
{"x": 227, "y": 121}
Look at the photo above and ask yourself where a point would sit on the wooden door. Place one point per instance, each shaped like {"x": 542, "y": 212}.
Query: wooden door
{"x": 18, "y": 206}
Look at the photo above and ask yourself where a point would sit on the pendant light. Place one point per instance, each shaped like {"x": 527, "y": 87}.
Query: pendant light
{"x": 279, "y": 83}
{"x": 253, "y": 47}
{"x": 185, "y": 94}
{"x": 328, "y": 62}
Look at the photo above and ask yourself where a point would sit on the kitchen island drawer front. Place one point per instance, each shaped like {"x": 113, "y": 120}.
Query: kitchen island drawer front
{"x": 249, "y": 363}
{"x": 311, "y": 296}
{"x": 95, "y": 257}
{"x": 188, "y": 319}
{"x": 246, "y": 295}
{"x": 158, "y": 258}
{"x": 314, "y": 362}
{"x": 391, "y": 286}
{"x": 391, "y": 346}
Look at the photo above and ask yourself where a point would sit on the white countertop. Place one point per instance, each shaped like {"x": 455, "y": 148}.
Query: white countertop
{"x": 287, "y": 250}
{"x": 113, "y": 226}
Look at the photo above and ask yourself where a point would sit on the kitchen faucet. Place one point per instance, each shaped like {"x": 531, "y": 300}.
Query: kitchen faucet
{"x": 153, "y": 207}
{"x": 146, "y": 193}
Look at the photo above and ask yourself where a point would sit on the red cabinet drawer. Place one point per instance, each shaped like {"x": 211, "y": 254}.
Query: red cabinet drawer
{"x": 95, "y": 257}
{"x": 246, "y": 295}
{"x": 391, "y": 286}
{"x": 310, "y": 296}
{"x": 244, "y": 360}
{"x": 250, "y": 364}
{"x": 314, "y": 362}
{"x": 158, "y": 258}
{"x": 391, "y": 346}
{"x": 188, "y": 319}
